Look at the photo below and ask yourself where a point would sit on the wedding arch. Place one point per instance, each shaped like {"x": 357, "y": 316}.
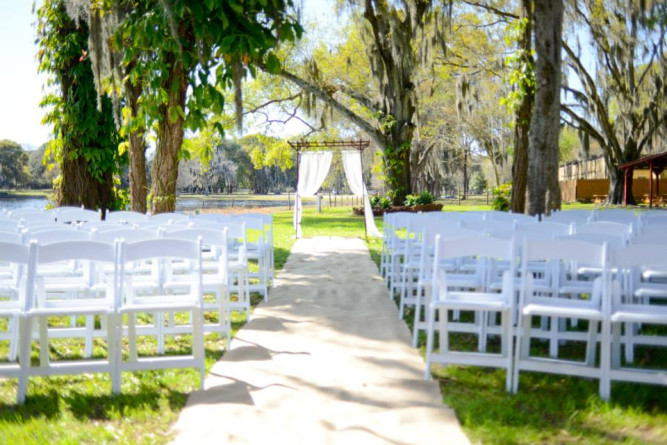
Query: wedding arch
{"x": 312, "y": 170}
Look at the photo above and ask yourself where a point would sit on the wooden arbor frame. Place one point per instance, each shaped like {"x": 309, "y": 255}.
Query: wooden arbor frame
{"x": 655, "y": 165}
{"x": 300, "y": 146}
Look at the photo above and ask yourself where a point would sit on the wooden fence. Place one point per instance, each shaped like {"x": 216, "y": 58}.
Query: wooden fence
{"x": 592, "y": 190}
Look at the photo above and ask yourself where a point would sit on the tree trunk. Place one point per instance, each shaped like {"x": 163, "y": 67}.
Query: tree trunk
{"x": 543, "y": 189}
{"x": 78, "y": 187}
{"x": 522, "y": 119}
{"x": 137, "y": 152}
{"x": 169, "y": 141}
{"x": 616, "y": 193}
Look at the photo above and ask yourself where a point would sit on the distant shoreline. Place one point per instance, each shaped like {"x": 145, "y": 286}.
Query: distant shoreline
{"x": 20, "y": 194}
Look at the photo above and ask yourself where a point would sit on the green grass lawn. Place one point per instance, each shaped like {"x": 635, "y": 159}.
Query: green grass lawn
{"x": 548, "y": 409}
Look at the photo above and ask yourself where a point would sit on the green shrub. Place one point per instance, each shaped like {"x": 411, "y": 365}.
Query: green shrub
{"x": 380, "y": 202}
{"x": 501, "y": 197}
{"x": 421, "y": 199}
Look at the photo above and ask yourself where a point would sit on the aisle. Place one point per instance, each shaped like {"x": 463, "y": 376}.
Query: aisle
{"x": 325, "y": 361}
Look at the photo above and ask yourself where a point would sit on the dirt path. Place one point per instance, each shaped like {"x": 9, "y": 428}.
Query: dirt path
{"x": 325, "y": 361}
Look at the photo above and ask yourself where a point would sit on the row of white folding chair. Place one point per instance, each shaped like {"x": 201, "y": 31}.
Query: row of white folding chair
{"x": 112, "y": 298}
{"x": 259, "y": 244}
{"x": 108, "y": 232}
{"x": 555, "y": 302}
{"x": 259, "y": 250}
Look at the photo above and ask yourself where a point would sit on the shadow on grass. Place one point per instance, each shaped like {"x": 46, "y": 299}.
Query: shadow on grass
{"x": 83, "y": 406}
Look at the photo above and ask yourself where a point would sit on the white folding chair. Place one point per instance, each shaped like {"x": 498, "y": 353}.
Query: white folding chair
{"x": 237, "y": 263}
{"x": 16, "y": 291}
{"x": 187, "y": 298}
{"x": 480, "y": 301}
{"x": 216, "y": 278}
{"x": 99, "y": 299}
{"x": 260, "y": 247}
{"x": 638, "y": 305}
{"x": 563, "y": 302}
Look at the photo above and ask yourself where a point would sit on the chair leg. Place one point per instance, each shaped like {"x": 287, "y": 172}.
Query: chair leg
{"x": 198, "y": 342}
{"x": 25, "y": 336}
{"x": 591, "y": 342}
{"x": 506, "y": 343}
{"x": 522, "y": 350}
{"x": 158, "y": 321}
{"x": 113, "y": 351}
{"x": 630, "y": 331}
{"x": 416, "y": 321}
{"x": 13, "y": 329}
{"x": 132, "y": 336}
{"x": 90, "y": 327}
{"x": 443, "y": 333}
{"x": 553, "y": 337}
{"x": 43, "y": 342}
{"x": 605, "y": 360}
{"x": 616, "y": 345}
{"x": 430, "y": 311}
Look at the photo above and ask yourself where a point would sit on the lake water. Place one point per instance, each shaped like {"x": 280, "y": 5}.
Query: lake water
{"x": 182, "y": 205}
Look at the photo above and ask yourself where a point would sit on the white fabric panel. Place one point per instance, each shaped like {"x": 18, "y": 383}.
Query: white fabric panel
{"x": 353, "y": 173}
{"x": 313, "y": 169}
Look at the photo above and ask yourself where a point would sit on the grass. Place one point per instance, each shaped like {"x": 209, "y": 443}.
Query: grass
{"x": 548, "y": 409}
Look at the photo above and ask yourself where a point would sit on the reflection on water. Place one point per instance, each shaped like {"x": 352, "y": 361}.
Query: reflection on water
{"x": 23, "y": 203}
{"x": 182, "y": 205}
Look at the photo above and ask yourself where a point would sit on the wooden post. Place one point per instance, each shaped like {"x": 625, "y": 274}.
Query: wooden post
{"x": 650, "y": 185}
{"x": 329, "y": 198}
{"x": 625, "y": 187}
{"x": 363, "y": 189}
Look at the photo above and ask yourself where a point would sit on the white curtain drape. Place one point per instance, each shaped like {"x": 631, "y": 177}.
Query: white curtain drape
{"x": 313, "y": 169}
{"x": 353, "y": 173}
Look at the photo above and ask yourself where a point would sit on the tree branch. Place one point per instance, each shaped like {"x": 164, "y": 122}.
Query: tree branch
{"x": 322, "y": 95}
{"x": 492, "y": 9}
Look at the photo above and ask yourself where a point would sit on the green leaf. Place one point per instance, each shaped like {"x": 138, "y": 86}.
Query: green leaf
{"x": 273, "y": 64}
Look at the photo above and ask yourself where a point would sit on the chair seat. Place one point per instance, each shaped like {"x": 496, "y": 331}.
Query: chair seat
{"x": 472, "y": 301}
{"x": 161, "y": 303}
{"x": 652, "y": 290}
{"x": 640, "y": 314}
{"x": 562, "y": 311}
{"x": 72, "y": 307}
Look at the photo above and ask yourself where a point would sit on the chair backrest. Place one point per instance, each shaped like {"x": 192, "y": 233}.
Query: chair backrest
{"x": 551, "y": 227}
{"x": 73, "y": 214}
{"x": 58, "y": 235}
{"x": 491, "y": 226}
{"x": 18, "y": 262}
{"x": 485, "y": 250}
{"x": 124, "y": 216}
{"x": 28, "y": 220}
{"x": 12, "y": 236}
{"x": 607, "y": 228}
{"x": 570, "y": 216}
{"x": 95, "y": 257}
{"x": 169, "y": 217}
{"x": 630, "y": 262}
{"x": 162, "y": 250}
{"x": 126, "y": 234}
{"x": 509, "y": 216}
{"x": 563, "y": 253}
{"x": 9, "y": 224}
{"x": 651, "y": 217}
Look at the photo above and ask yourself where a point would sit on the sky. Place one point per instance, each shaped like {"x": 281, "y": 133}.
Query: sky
{"x": 21, "y": 88}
